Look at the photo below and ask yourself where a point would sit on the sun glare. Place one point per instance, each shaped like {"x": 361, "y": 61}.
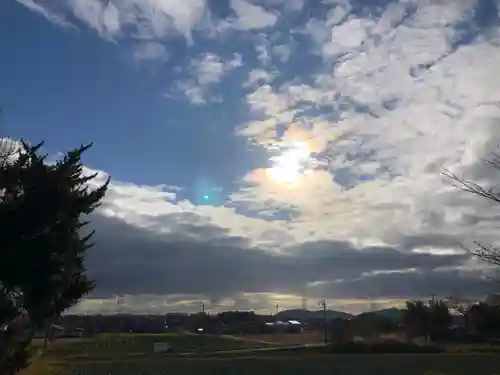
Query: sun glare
{"x": 287, "y": 167}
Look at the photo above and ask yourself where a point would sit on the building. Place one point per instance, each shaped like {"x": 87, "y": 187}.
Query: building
{"x": 280, "y": 326}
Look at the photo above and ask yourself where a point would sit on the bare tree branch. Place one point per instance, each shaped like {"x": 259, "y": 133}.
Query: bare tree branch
{"x": 492, "y": 193}
{"x": 487, "y": 253}
{"x": 462, "y": 305}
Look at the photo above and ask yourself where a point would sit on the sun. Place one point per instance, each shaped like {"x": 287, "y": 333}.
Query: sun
{"x": 287, "y": 168}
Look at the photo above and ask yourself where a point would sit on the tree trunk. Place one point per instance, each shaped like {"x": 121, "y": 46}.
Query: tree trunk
{"x": 47, "y": 332}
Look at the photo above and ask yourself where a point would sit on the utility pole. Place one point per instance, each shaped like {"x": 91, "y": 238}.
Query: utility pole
{"x": 118, "y": 318}
{"x": 429, "y": 324}
{"x": 322, "y": 303}
{"x": 202, "y": 306}
{"x": 201, "y": 330}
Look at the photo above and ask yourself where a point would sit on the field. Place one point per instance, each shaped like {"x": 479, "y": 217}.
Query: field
{"x": 132, "y": 355}
{"x": 289, "y": 338}
{"x": 109, "y": 346}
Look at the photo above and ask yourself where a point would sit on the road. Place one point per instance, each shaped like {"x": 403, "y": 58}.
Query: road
{"x": 236, "y": 338}
{"x": 277, "y": 348}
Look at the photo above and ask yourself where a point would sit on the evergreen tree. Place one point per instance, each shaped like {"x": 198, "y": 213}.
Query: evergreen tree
{"x": 430, "y": 320}
{"x": 43, "y": 247}
{"x": 440, "y": 319}
{"x": 416, "y": 319}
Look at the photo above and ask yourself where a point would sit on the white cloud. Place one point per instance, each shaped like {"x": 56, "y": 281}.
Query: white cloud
{"x": 258, "y": 77}
{"x": 283, "y": 51}
{"x": 150, "y": 51}
{"x": 406, "y": 103}
{"x": 270, "y": 103}
{"x": 211, "y": 68}
{"x": 263, "y": 50}
{"x": 192, "y": 91}
{"x": 347, "y": 36}
{"x": 149, "y": 19}
{"x": 288, "y": 5}
{"x": 250, "y": 16}
{"x": 206, "y": 71}
{"x": 104, "y": 18}
{"x": 294, "y": 5}
{"x": 34, "y": 6}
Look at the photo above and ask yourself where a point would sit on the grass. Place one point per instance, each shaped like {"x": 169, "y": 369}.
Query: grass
{"x": 142, "y": 344}
{"x": 339, "y": 364}
{"x": 132, "y": 355}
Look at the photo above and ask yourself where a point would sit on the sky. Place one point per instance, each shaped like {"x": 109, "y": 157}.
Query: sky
{"x": 265, "y": 150}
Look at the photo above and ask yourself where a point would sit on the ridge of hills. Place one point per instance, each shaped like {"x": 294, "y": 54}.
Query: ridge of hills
{"x": 392, "y": 313}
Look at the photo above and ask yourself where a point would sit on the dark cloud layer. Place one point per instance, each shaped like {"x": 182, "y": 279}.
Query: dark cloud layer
{"x": 417, "y": 284}
{"x": 204, "y": 261}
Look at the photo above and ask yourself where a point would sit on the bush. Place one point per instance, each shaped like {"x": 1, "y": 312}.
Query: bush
{"x": 14, "y": 344}
{"x": 16, "y": 355}
{"x": 383, "y": 347}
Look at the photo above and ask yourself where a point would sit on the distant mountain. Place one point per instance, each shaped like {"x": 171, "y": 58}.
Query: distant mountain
{"x": 392, "y": 313}
{"x": 300, "y": 314}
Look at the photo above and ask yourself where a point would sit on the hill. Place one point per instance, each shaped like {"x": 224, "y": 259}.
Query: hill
{"x": 392, "y": 313}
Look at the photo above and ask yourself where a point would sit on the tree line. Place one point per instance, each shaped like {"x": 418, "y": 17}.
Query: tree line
{"x": 434, "y": 320}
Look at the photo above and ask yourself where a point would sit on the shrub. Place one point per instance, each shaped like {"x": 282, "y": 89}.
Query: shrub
{"x": 16, "y": 355}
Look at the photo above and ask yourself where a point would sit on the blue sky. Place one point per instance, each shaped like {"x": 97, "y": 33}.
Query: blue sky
{"x": 79, "y": 88}
{"x": 294, "y": 134}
